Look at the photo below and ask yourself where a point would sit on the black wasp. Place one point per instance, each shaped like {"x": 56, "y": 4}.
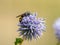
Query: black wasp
{"x": 22, "y": 15}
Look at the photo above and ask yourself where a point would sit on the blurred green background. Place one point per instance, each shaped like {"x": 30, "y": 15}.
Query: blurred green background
{"x": 9, "y": 9}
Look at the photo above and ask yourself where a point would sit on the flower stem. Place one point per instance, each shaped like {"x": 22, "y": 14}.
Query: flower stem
{"x": 18, "y": 41}
{"x": 58, "y": 43}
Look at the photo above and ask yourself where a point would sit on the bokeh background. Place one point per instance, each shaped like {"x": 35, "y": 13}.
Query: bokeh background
{"x": 9, "y": 9}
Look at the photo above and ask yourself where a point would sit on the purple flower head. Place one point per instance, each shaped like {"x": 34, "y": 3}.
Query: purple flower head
{"x": 31, "y": 27}
{"x": 56, "y": 27}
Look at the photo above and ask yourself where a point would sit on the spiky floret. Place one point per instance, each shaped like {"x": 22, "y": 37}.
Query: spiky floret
{"x": 56, "y": 27}
{"x": 31, "y": 27}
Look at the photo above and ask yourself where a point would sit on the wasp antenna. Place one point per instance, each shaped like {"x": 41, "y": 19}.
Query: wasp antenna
{"x": 18, "y": 16}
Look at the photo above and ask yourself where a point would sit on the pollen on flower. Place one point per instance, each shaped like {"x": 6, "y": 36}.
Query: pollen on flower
{"x": 31, "y": 27}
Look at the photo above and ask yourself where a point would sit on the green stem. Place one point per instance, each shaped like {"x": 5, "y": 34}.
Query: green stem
{"x": 18, "y": 41}
{"x": 58, "y": 43}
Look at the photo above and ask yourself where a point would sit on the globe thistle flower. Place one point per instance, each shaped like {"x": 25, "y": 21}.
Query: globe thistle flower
{"x": 31, "y": 27}
{"x": 56, "y": 27}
